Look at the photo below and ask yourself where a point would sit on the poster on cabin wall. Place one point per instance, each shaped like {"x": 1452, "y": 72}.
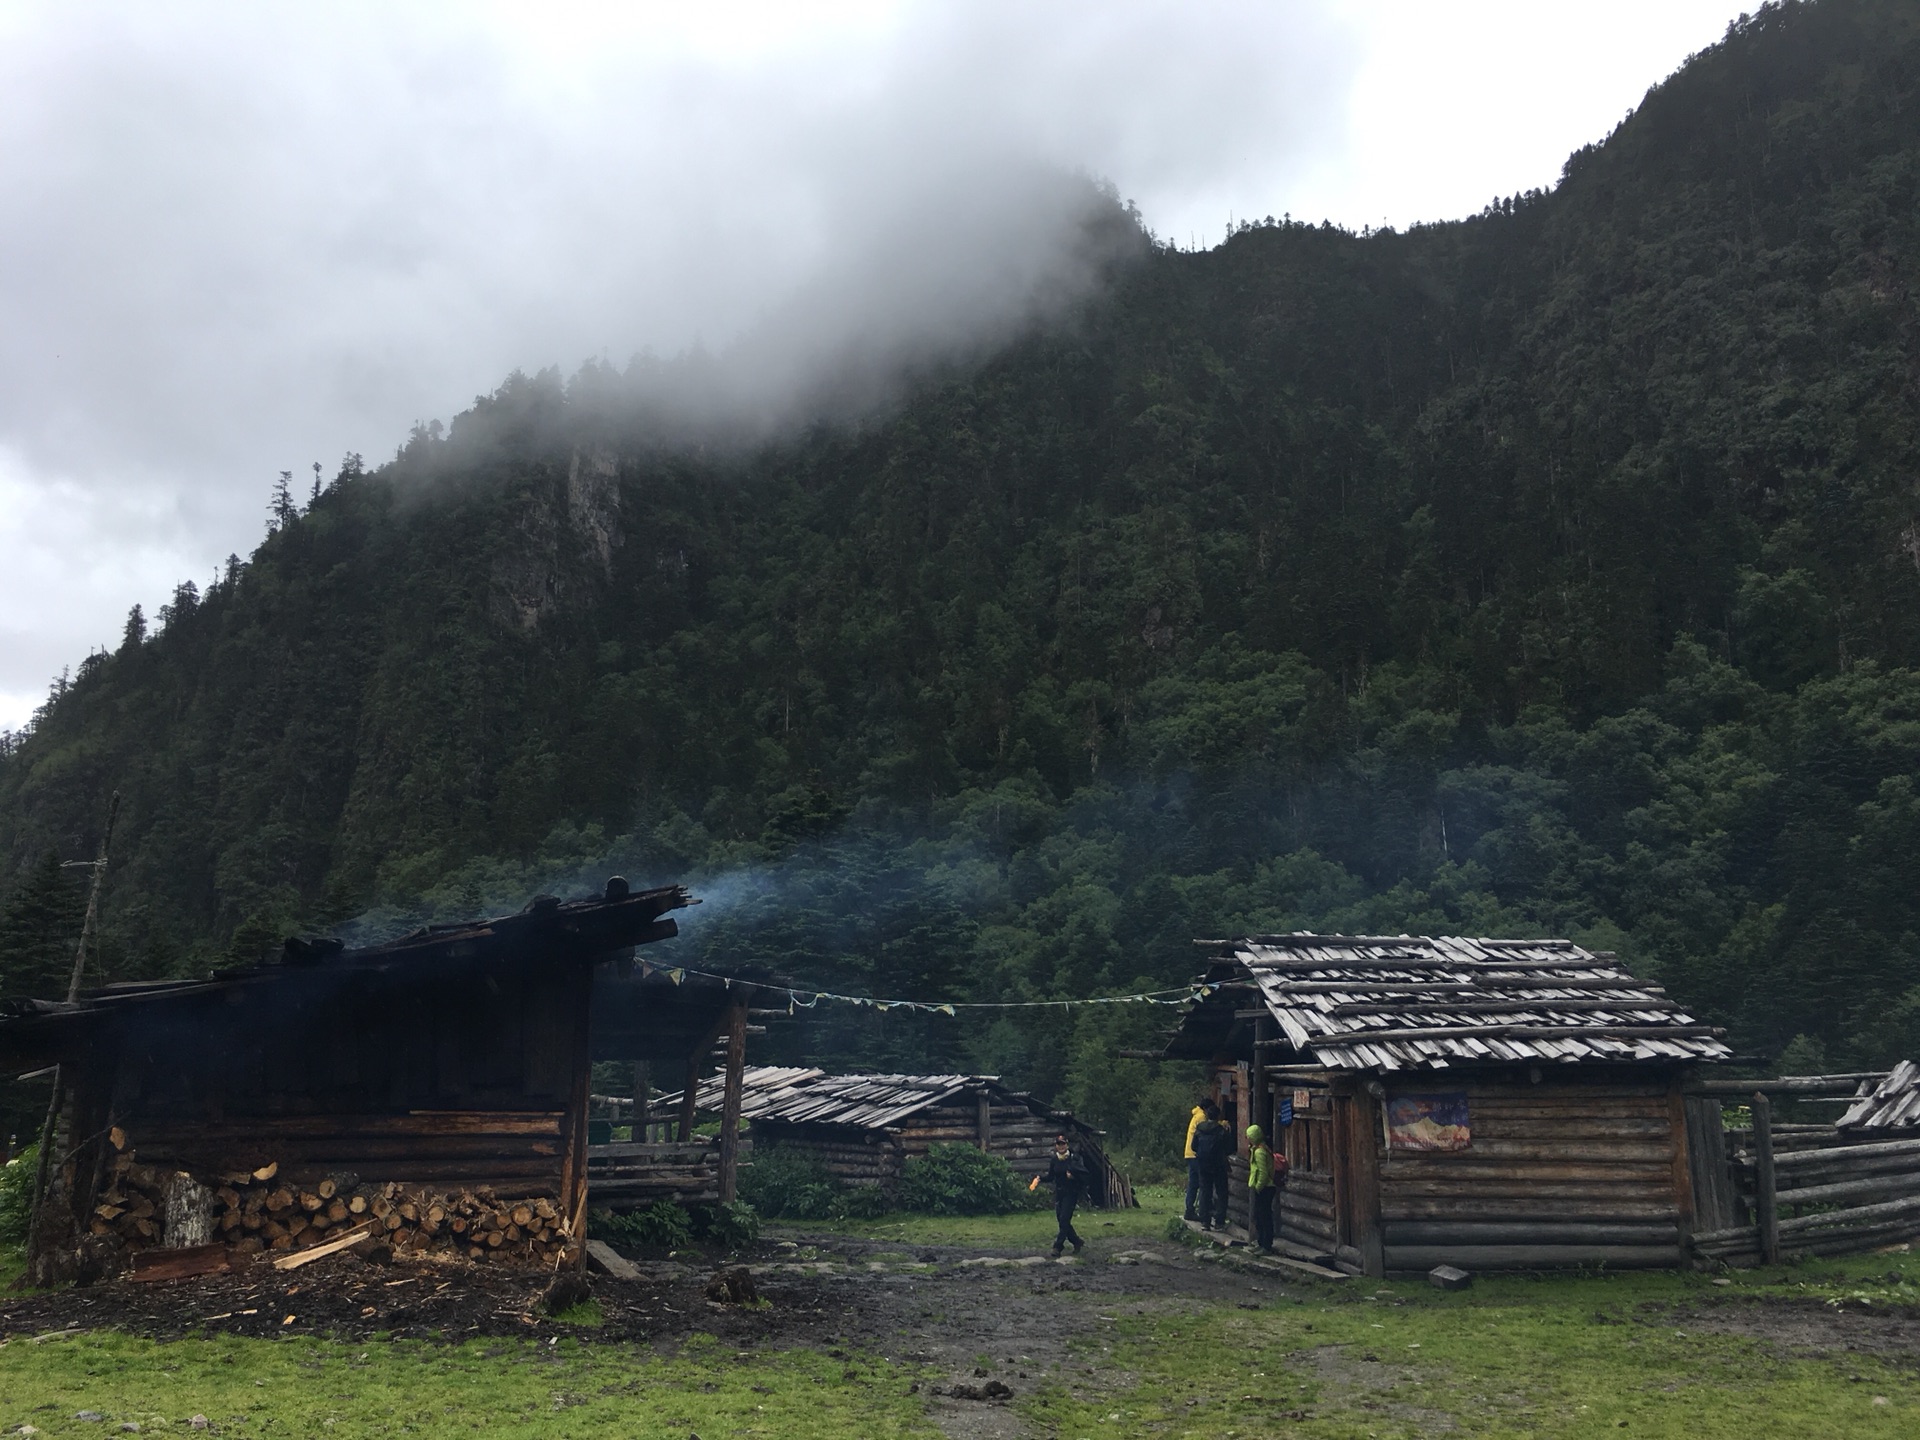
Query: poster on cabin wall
{"x": 1429, "y": 1122}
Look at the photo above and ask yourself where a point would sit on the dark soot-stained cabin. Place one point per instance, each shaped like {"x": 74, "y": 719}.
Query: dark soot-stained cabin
{"x": 863, "y": 1128}
{"x": 433, "y": 1089}
{"x": 1480, "y": 1103}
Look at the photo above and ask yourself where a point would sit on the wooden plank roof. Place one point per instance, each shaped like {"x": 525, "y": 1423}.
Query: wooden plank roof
{"x": 797, "y": 1096}
{"x": 1411, "y": 1002}
{"x": 1892, "y": 1104}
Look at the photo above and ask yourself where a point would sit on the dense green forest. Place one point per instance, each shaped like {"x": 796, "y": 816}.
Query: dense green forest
{"x": 1555, "y": 571}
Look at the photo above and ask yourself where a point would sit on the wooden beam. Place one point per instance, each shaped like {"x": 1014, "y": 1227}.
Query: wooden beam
{"x": 1513, "y": 1032}
{"x": 983, "y": 1118}
{"x": 1843, "y": 1086}
{"x": 730, "y": 1103}
{"x": 1765, "y": 1200}
{"x": 1498, "y": 1007}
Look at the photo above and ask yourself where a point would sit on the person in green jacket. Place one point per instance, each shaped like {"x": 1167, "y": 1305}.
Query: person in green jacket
{"x": 1261, "y": 1187}
{"x": 1193, "y": 1164}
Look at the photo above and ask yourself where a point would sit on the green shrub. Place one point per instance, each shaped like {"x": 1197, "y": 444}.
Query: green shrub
{"x": 663, "y": 1224}
{"x": 733, "y": 1225}
{"x": 862, "y": 1202}
{"x": 788, "y": 1185}
{"x": 16, "y": 1195}
{"x": 960, "y": 1180}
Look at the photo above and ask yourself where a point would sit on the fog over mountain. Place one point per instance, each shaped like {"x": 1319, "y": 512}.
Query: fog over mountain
{"x": 236, "y": 242}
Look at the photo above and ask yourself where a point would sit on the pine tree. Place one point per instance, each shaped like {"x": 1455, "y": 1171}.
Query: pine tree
{"x": 39, "y": 928}
{"x": 281, "y": 508}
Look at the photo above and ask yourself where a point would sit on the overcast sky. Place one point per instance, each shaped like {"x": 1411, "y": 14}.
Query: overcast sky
{"x": 236, "y": 239}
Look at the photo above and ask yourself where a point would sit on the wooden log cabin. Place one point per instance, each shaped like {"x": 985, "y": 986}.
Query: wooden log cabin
{"x": 862, "y": 1129}
{"x": 1476, "y": 1102}
{"x": 431, "y": 1089}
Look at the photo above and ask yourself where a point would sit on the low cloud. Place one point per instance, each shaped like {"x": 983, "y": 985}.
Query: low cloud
{"x": 239, "y": 239}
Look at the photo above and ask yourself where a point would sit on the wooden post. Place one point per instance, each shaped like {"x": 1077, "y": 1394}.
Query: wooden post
{"x": 1766, "y": 1205}
{"x": 1258, "y": 1111}
{"x": 642, "y": 1100}
{"x": 730, "y": 1105}
{"x": 983, "y": 1118}
{"x": 689, "y": 1095}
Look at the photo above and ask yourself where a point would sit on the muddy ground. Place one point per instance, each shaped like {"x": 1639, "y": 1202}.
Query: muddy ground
{"x": 974, "y": 1318}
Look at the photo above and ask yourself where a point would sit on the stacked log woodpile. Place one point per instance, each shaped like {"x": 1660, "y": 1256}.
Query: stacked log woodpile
{"x": 261, "y": 1211}
{"x": 257, "y": 1211}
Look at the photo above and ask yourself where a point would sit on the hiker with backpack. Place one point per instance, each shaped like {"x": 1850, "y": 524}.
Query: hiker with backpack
{"x": 1266, "y": 1177}
{"x": 1212, "y": 1144}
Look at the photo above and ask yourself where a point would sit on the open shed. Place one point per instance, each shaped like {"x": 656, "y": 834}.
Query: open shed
{"x": 1478, "y": 1102}
{"x": 433, "y": 1089}
{"x": 863, "y": 1128}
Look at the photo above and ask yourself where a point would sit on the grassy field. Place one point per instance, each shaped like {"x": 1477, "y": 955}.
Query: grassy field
{"x": 1652, "y": 1354}
{"x": 1789, "y": 1352}
{"x": 1025, "y": 1230}
{"x": 555, "y": 1391}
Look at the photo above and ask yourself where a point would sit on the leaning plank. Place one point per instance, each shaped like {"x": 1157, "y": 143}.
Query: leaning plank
{"x": 301, "y": 1257}
{"x": 603, "y": 1256}
{"x": 181, "y": 1264}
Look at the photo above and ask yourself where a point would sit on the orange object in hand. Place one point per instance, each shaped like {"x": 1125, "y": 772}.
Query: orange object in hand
{"x": 1034, "y": 1184}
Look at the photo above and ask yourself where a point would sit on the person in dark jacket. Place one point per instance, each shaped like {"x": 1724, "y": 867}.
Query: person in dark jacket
{"x": 1067, "y": 1173}
{"x": 1212, "y": 1144}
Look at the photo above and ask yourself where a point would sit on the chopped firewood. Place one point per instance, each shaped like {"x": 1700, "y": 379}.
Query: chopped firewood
{"x": 409, "y": 1212}
{"x": 382, "y": 1207}
{"x": 253, "y": 1219}
{"x": 237, "y": 1179}
{"x": 357, "y": 1205}
{"x": 279, "y": 1200}
{"x": 495, "y": 1239}
{"x": 458, "y": 1224}
{"x": 117, "y": 1138}
{"x": 393, "y": 1220}
{"x": 522, "y": 1215}
{"x": 310, "y": 1202}
{"x": 141, "y": 1208}
{"x": 228, "y": 1196}
{"x": 436, "y": 1213}
{"x": 337, "y": 1211}
{"x": 267, "y": 1171}
{"x": 109, "y": 1212}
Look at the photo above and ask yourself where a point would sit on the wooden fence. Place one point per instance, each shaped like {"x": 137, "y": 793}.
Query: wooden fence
{"x": 1788, "y": 1190}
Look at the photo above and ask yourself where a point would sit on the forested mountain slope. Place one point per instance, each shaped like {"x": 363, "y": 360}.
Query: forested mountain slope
{"x": 1554, "y": 571}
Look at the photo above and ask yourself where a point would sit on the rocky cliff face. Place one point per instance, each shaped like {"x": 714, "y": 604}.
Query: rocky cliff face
{"x": 566, "y": 536}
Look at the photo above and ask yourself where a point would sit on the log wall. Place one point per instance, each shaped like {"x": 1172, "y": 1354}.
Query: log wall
{"x": 629, "y": 1176}
{"x": 872, "y": 1157}
{"x": 1558, "y": 1173}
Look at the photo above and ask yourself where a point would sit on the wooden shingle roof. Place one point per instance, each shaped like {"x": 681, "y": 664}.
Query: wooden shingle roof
{"x": 1412, "y": 1002}
{"x": 797, "y": 1096}
{"x": 1893, "y": 1104}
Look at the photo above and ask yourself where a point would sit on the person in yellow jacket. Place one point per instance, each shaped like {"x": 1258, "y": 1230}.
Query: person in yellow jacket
{"x": 1193, "y": 1165}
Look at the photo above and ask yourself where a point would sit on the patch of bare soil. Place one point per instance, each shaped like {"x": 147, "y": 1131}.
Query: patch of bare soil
{"x": 349, "y": 1298}
{"x": 1805, "y": 1327}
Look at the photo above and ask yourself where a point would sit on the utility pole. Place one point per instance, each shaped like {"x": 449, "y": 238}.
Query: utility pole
{"x": 99, "y": 868}
{"x": 44, "y": 1161}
